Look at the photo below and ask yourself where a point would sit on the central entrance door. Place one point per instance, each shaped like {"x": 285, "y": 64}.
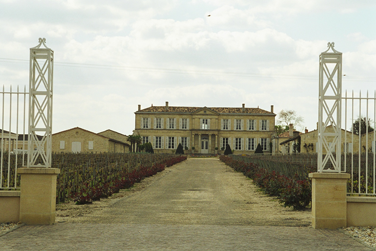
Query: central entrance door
{"x": 204, "y": 146}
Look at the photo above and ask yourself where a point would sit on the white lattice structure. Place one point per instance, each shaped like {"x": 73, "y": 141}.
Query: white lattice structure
{"x": 40, "y": 105}
{"x": 330, "y": 94}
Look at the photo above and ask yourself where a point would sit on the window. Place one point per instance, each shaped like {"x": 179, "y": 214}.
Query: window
{"x": 171, "y": 123}
{"x": 158, "y": 123}
{"x": 145, "y": 139}
{"x": 264, "y": 125}
{"x": 91, "y": 145}
{"x": 184, "y": 142}
{"x": 251, "y": 144}
{"x": 225, "y": 125}
{"x": 76, "y": 147}
{"x": 171, "y": 142}
{"x": 184, "y": 123}
{"x": 238, "y": 144}
{"x": 251, "y": 124}
{"x": 204, "y": 124}
{"x": 238, "y": 124}
{"x": 62, "y": 144}
{"x": 158, "y": 142}
{"x": 264, "y": 144}
{"x": 224, "y": 143}
{"x": 145, "y": 123}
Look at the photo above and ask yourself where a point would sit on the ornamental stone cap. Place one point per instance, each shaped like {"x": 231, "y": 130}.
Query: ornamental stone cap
{"x": 38, "y": 170}
{"x": 329, "y": 175}
{"x": 10, "y": 193}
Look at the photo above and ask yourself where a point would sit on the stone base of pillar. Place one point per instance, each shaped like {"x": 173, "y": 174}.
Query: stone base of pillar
{"x": 38, "y": 195}
{"x": 329, "y": 206}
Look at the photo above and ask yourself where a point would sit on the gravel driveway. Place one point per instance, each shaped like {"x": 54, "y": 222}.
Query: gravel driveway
{"x": 198, "y": 204}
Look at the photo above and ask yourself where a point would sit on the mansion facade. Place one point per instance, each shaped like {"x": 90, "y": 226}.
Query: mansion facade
{"x": 205, "y": 129}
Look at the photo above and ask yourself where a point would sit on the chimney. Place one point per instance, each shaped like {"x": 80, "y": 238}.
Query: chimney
{"x": 243, "y": 107}
{"x": 166, "y": 108}
{"x": 291, "y": 130}
{"x": 139, "y": 107}
{"x": 272, "y": 108}
{"x": 306, "y": 130}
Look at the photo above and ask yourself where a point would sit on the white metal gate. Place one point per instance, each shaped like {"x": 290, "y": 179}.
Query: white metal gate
{"x": 352, "y": 149}
{"x": 33, "y": 108}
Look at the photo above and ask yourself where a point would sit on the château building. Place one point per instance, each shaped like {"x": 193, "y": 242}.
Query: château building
{"x": 205, "y": 129}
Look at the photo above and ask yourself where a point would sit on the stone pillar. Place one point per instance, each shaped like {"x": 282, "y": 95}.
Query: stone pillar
{"x": 193, "y": 142}
{"x": 38, "y": 195}
{"x": 216, "y": 143}
{"x": 199, "y": 143}
{"x": 210, "y": 145}
{"x": 329, "y": 206}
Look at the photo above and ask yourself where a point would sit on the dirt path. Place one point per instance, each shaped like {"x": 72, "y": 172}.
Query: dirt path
{"x": 195, "y": 192}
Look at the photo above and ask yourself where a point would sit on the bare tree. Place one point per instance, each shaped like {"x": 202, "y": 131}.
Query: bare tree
{"x": 287, "y": 117}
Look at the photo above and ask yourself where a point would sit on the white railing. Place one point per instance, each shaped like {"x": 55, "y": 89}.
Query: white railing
{"x": 13, "y": 136}
{"x": 359, "y": 148}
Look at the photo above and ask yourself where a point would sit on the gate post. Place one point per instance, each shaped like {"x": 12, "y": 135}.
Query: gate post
{"x": 38, "y": 179}
{"x": 329, "y": 185}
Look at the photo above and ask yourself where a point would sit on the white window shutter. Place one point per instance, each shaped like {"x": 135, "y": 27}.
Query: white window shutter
{"x": 260, "y": 125}
{"x": 242, "y": 144}
{"x": 221, "y": 142}
{"x": 233, "y": 144}
{"x": 142, "y": 122}
{"x": 175, "y": 141}
{"x": 149, "y": 123}
{"x": 149, "y": 139}
{"x": 62, "y": 144}
{"x": 154, "y": 143}
{"x": 221, "y": 124}
{"x": 162, "y": 142}
{"x": 350, "y": 150}
{"x": 267, "y": 125}
{"x": 180, "y": 124}
{"x": 155, "y": 123}
{"x": 229, "y": 142}
{"x": 229, "y": 124}
{"x": 162, "y": 123}
{"x": 188, "y": 143}
{"x": 247, "y": 124}
{"x": 242, "y": 125}
{"x": 268, "y": 144}
{"x": 208, "y": 123}
{"x": 175, "y": 123}
{"x": 187, "y": 123}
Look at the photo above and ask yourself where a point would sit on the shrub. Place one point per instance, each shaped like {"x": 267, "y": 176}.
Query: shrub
{"x": 149, "y": 147}
{"x": 259, "y": 149}
{"x": 228, "y": 150}
{"x": 179, "y": 150}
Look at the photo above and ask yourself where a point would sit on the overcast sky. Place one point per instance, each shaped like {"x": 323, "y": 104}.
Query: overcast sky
{"x": 111, "y": 56}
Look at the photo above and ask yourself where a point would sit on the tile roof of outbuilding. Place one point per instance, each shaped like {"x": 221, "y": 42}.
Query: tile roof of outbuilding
{"x": 184, "y": 109}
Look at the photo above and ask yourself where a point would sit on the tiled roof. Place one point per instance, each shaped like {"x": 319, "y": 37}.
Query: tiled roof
{"x": 287, "y": 134}
{"x": 182, "y": 109}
